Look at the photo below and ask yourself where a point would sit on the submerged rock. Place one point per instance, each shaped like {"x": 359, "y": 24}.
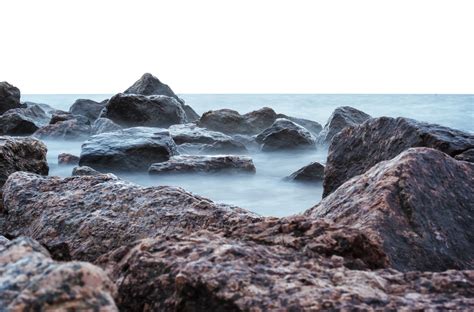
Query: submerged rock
{"x": 23, "y": 121}
{"x": 224, "y": 147}
{"x": 67, "y": 159}
{"x": 84, "y": 171}
{"x": 102, "y": 125}
{"x": 358, "y": 148}
{"x": 87, "y": 108}
{"x": 9, "y": 97}
{"x": 127, "y": 150}
{"x": 70, "y": 129}
{"x": 314, "y": 172}
{"x": 188, "y": 164}
{"x": 283, "y": 135}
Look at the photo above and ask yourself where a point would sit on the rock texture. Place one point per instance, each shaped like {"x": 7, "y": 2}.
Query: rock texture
{"x": 342, "y": 117}
{"x": 189, "y": 164}
{"x": 87, "y": 108}
{"x": 102, "y": 125}
{"x": 310, "y": 125}
{"x": 360, "y": 147}
{"x": 283, "y": 135}
{"x": 314, "y": 172}
{"x": 31, "y": 281}
{"x": 67, "y": 159}
{"x": 84, "y": 171}
{"x": 418, "y": 205}
{"x": 466, "y": 156}
{"x": 127, "y": 150}
{"x": 9, "y": 97}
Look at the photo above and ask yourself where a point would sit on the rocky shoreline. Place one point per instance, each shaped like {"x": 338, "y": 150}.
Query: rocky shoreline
{"x": 393, "y": 231}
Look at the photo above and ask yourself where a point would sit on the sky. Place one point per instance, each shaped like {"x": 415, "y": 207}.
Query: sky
{"x": 257, "y": 46}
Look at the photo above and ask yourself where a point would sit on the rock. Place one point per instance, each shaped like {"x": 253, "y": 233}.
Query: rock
{"x": 360, "y": 147}
{"x": 190, "y": 133}
{"x": 314, "y": 172}
{"x": 283, "y": 135}
{"x": 191, "y": 115}
{"x": 70, "y": 129}
{"x": 88, "y": 216}
{"x": 150, "y": 85}
{"x": 47, "y": 109}
{"x": 341, "y": 117}
{"x": 188, "y": 164}
{"x": 31, "y": 281}
{"x": 23, "y": 121}
{"x": 206, "y": 272}
{"x": 224, "y": 147}
{"x": 466, "y": 155}
{"x": 231, "y": 122}
{"x": 102, "y": 125}
{"x": 84, "y": 171}
{"x": 87, "y": 108}
{"x": 130, "y": 110}
{"x": 9, "y": 97}
{"x": 312, "y": 126}
{"x": 419, "y": 205}
{"x": 127, "y": 150}
{"x": 21, "y": 154}
{"x": 67, "y": 159}
{"x": 60, "y": 116}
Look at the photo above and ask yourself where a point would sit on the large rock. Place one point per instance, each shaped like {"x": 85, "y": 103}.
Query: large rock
{"x": 9, "y": 97}
{"x": 130, "y": 110}
{"x": 341, "y": 117}
{"x": 23, "y": 121}
{"x": 87, "y": 108}
{"x": 310, "y": 125}
{"x": 31, "y": 281}
{"x": 127, "y": 150}
{"x": 284, "y": 134}
{"x": 189, "y": 164}
{"x": 83, "y": 217}
{"x": 21, "y": 154}
{"x": 314, "y": 172}
{"x": 75, "y": 129}
{"x": 358, "y": 148}
{"x": 419, "y": 206}
{"x": 102, "y": 125}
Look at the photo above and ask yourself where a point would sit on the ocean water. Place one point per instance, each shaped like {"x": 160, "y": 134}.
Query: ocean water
{"x": 265, "y": 192}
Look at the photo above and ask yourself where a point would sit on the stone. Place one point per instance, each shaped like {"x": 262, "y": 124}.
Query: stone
{"x": 47, "y": 109}
{"x": 67, "y": 159}
{"x": 341, "y": 117}
{"x": 191, "y": 133}
{"x": 87, "y": 108}
{"x": 84, "y": 171}
{"x": 23, "y": 121}
{"x": 358, "y": 148}
{"x": 418, "y": 206}
{"x": 314, "y": 172}
{"x": 284, "y": 135}
{"x": 467, "y": 155}
{"x": 74, "y": 129}
{"x": 223, "y": 147}
{"x": 31, "y": 281}
{"x": 102, "y": 125}
{"x": 209, "y": 164}
{"x": 310, "y": 125}
{"x": 131, "y": 149}
{"x": 9, "y": 97}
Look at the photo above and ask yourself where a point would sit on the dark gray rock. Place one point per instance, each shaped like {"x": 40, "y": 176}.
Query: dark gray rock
{"x": 87, "y": 108}
{"x": 67, "y": 159}
{"x": 102, "y": 125}
{"x": 70, "y": 129}
{"x": 314, "y": 172}
{"x": 310, "y": 125}
{"x": 224, "y": 147}
{"x": 23, "y": 121}
{"x": 283, "y": 135}
{"x": 84, "y": 171}
{"x": 47, "y": 109}
{"x": 9, "y": 97}
{"x": 150, "y": 85}
{"x": 466, "y": 155}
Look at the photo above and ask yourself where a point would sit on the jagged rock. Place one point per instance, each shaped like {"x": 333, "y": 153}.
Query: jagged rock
{"x": 9, "y": 97}
{"x": 21, "y": 154}
{"x": 31, "y": 281}
{"x": 188, "y": 164}
{"x": 419, "y": 205}
{"x": 69, "y": 129}
{"x": 87, "y": 108}
{"x": 127, "y": 150}
{"x": 23, "y": 121}
{"x": 284, "y": 134}
{"x": 67, "y": 159}
{"x": 358, "y": 148}
{"x": 150, "y": 85}
{"x": 102, "y": 125}
{"x": 130, "y": 110}
{"x": 84, "y": 171}
{"x": 341, "y": 117}
{"x": 466, "y": 156}
{"x": 88, "y": 216}
{"x": 310, "y": 125}
{"x": 314, "y": 172}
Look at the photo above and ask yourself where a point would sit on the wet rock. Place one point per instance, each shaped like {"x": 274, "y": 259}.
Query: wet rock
{"x": 127, "y": 150}
{"x": 84, "y": 171}
{"x": 70, "y": 129}
{"x": 102, "y": 125}
{"x": 341, "y": 117}
{"x": 150, "y": 85}
{"x": 67, "y": 159}
{"x": 130, "y": 110}
{"x": 360, "y": 147}
{"x": 189, "y": 164}
{"x": 21, "y": 154}
{"x": 283, "y": 135}
{"x": 419, "y": 205}
{"x": 466, "y": 156}
{"x": 310, "y": 125}
{"x": 91, "y": 215}
{"x": 16, "y": 123}
{"x": 9, "y": 97}
{"x": 87, "y": 108}
{"x": 314, "y": 172}
{"x": 31, "y": 281}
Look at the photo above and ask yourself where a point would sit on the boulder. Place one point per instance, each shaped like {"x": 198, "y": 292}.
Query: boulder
{"x": 102, "y": 125}
{"x": 358, "y": 148}
{"x": 314, "y": 172}
{"x": 310, "y": 125}
{"x": 191, "y": 115}
{"x": 31, "y": 281}
{"x": 84, "y": 171}
{"x": 83, "y": 217}
{"x": 70, "y": 129}
{"x": 67, "y": 159}
{"x": 23, "y": 121}
{"x": 9, "y": 97}
{"x": 47, "y": 109}
{"x": 190, "y": 133}
{"x": 87, "y": 108}
{"x": 419, "y": 206}
{"x": 341, "y": 117}
{"x": 283, "y": 135}
{"x": 21, "y": 154}
{"x": 466, "y": 155}
{"x": 130, "y": 110}
{"x": 127, "y": 150}
{"x": 60, "y": 116}
{"x": 223, "y": 147}
{"x": 189, "y": 164}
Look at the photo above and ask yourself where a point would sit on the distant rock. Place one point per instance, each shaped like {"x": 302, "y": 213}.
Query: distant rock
{"x": 210, "y": 164}
{"x": 314, "y": 172}
{"x": 284, "y": 135}
{"x": 9, "y": 97}
{"x": 67, "y": 159}
{"x": 23, "y": 121}
{"x": 341, "y": 117}
{"x": 466, "y": 155}
{"x": 191, "y": 115}
{"x": 224, "y": 147}
{"x": 47, "y": 109}
{"x": 357, "y": 148}
{"x": 102, "y": 125}
{"x": 87, "y": 108}
{"x": 70, "y": 129}
{"x": 310, "y": 125}
{"x": 84, "y": 171}
{"x": 127, "y": 150}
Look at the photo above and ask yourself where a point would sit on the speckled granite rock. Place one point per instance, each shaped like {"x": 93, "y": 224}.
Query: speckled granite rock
{"x": 9, "y": 97}
{"x": 284, "y": 134}
{"x": 314, "y": 172}
{"x": 67, "y": 159}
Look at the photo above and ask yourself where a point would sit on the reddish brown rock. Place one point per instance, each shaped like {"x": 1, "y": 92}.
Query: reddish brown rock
{"x": 67, "y": 159}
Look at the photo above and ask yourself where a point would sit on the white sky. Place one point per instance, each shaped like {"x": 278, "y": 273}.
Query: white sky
{"x": 256, "y": 46}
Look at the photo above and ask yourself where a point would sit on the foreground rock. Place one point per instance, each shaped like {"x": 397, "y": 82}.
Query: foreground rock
{"x": 84, "y": 171}
{"x": 87, "y": 108}
{"x": 314, "y": 172}
{"x": 21, "y": 154}
{"x": 31, "y": 281}
{"x": 23, "y": 121}
{"x": 342, "y": 117}
{"x": 358, "y": 148}
{"x": 67, "y": 159}
{"x": 127, "y": 150}
{"x": 283, "y": 135}
{"x": 9, "y": 97}
{"x": 102, "y": 125}
{"x": 189, "y": 164}
{"x": 419, "y": 206}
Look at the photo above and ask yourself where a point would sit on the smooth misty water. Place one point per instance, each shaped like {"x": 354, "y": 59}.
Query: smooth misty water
{"x": 265, "y": 192}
